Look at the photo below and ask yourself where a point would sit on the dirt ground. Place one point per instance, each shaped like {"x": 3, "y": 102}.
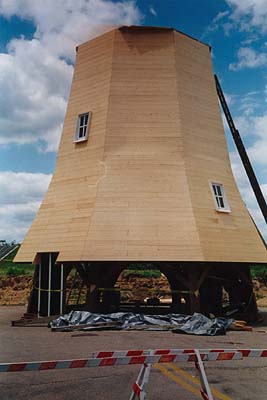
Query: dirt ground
{"x": 14, "y": 290}
{"x": 232, "y": 380}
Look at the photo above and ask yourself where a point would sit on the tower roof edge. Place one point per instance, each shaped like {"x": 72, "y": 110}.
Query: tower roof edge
{"x": 145, "y": 27}
{"x": 148, "y": 27}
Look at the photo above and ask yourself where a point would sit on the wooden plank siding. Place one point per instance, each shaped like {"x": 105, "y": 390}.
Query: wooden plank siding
{"x": 143, "y": 155}
{"x": 138, "y": 189}
{"x": 223, "y": 237}
{"x": 63, "y": 220}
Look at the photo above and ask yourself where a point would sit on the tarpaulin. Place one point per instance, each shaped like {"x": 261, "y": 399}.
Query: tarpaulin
{"x": 196, "y": 324}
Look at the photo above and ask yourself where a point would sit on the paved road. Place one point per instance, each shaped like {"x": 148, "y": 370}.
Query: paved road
{"x": 239, "y": 380}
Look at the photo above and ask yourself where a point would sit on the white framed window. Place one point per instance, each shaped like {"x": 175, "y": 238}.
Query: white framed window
{"x": 83, "y": 125}
{"x": 219, "y": 195}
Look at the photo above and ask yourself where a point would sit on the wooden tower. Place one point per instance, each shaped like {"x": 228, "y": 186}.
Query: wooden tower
{"x": 143, "y": 175}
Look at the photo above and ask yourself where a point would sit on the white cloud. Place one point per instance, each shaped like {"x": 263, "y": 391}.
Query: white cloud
{"x": 63, "y": 24}
{"x": 243, "y": 125}
{"x": 249, "y": 105}
{"x": 230, "y": 99}
{"x": 35, "y": 74}
{"x": 249, "y": 14}
{"x": 247, "y": 193}
{"x": 34, "y": 86}
{"x": 220, "y": 16}
{"x": 258, "y": 151}
{"x": 245, "y": 15}
{"x": 216, "y": 23}
{"x": 20, "y": 196}
{"x": 251, "y": 38}
{"x": 255, "y": 127}
{"x": 153, "y": 11}
{"x": 248, "y": 58}
{"x": 259, "y": 125}
{"x": 227, "y": 27}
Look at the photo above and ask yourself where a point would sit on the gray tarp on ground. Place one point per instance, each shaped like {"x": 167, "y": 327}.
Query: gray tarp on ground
{"x": 196, "y": 324}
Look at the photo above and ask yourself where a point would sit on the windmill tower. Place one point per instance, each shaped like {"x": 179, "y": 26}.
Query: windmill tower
{"x": 143, "y": 175}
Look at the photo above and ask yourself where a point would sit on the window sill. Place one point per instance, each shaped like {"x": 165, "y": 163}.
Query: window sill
{"x": 223, "y": 210}
{"x": 80, "y": 140}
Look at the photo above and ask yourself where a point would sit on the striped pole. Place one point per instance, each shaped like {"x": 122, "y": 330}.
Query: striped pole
{"x": 205, "y": 387}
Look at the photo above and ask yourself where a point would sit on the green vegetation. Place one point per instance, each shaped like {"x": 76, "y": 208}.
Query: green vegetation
{"x": 141, "y": 267}
{"x": 142, "y": 273}
{"x": 8, "y": 267}
{"x": 142, "y": 270}
{"x": 258, "y": 296}
{"x": 259, "y": 272}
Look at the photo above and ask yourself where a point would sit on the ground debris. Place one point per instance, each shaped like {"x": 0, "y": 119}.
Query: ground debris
{"x": 240, "y": 326}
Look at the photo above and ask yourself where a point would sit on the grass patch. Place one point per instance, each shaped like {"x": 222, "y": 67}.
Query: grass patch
{"x": 259, "y": 272}
{"x": 8, "y": 267}
{"x": 142, "y": 270}
{"x": 141, "y": 267}
{"x": 145, "y": 273}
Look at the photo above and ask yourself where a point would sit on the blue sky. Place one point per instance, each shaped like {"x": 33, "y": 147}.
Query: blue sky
{"x": 37, "y": 42}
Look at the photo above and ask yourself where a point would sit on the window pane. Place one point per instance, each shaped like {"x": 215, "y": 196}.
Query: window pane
{"x": 82, "y": 126}
{"x": 221, "y": 202}
{"x": 220, "y": 198}
{"x": 219, "y": 190}
{"x": 217, "y": 201}
{"x": 214, "y": 189}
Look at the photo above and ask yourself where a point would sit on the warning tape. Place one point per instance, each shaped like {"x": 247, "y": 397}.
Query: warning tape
{"x": 252, "y": 353}
{"x": 248, "y": 353}
{"x": 130, "y": 357}
{"x": 118, "y": 361}
{"x": 48, "y": 290}
{"x": 147, "y": 290}
{"x": 123, "y": 290}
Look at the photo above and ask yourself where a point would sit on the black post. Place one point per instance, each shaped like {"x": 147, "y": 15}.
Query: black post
{"x": 54, "y": 292}
{"x": 242, "y": 152}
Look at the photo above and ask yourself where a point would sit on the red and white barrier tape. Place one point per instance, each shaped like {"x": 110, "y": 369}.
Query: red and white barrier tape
{"x": 253, "y": 353}
{"x": 130, "y": 353}
{"x": 130, "y": 357}
{"x": 117, "y": 361}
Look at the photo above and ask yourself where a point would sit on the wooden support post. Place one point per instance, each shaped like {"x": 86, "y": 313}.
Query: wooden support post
{"x": 49, "y": 285}
{"x": 39, "y": 289}
{"x": 196, "y": 274}
{"x": 61, "y": 288}
{"x": 45, "y": 297}
{"x": 194, "y": 301}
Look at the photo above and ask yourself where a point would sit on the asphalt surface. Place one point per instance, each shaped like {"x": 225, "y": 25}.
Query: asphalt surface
{"x": 231, "y": 380}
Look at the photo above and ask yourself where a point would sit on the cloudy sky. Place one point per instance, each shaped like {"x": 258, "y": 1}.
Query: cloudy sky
{"x": 37, "y": 53}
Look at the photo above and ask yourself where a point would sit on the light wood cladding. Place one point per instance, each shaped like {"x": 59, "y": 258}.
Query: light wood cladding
{"x": 138, "y": 189}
